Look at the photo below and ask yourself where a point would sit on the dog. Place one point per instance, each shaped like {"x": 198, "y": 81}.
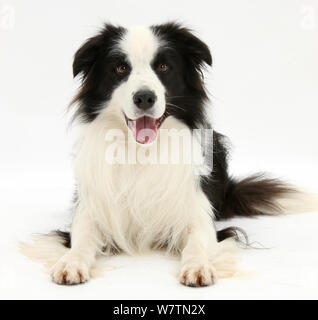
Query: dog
{"x": 137, "y": 84}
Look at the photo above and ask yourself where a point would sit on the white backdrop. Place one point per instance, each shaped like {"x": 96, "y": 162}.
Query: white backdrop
{"x": 264, "y": 89}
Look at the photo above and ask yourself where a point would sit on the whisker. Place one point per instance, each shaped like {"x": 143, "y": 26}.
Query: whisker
{"x": 173, "y": 105}
{"x": 172, "y": 97}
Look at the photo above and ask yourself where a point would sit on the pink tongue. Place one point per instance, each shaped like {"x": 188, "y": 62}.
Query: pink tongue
{"x": 144, "y": 129}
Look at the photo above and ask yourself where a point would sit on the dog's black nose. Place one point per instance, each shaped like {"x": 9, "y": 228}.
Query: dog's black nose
{"x": 144, "y": 99}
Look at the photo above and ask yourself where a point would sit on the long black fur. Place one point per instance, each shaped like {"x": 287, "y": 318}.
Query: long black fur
{"x": 252, "y": 196}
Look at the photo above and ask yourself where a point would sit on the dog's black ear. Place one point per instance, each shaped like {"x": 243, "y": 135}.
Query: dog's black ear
{"x": 188, "y": 43}
{"x": 199, "y": 51}
{"x": 86, "y": 55}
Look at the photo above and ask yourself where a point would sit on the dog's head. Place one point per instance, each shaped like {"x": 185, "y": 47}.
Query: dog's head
{"x": 148, "y": 73}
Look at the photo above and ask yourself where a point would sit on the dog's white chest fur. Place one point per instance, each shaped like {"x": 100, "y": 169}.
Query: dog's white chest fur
{"x": 138, "y": 204}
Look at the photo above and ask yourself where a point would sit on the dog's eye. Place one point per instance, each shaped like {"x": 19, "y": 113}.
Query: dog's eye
{"x": 122, "y": 68}
{"x": 163, "y": 67}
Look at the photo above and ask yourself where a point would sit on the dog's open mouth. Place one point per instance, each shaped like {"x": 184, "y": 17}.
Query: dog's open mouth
{"x": 144, "y": 129}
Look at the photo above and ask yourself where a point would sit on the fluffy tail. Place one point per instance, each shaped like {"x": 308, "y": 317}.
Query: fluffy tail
{"x": 258, "y": 196}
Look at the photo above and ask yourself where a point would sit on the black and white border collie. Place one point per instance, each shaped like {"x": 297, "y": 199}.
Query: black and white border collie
{"x": 140, "y": 83}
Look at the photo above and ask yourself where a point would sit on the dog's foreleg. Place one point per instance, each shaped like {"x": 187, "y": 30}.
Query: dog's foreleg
{"x": 200, "y": 240}
{"x": 74, "y": 266}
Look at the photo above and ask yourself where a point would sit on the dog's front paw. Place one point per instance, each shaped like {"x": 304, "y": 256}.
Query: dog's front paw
{"x": 70, "y": 269}
{"x": 198, "y": 275}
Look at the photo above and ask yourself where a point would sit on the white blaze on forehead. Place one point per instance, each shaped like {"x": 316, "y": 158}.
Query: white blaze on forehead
{"x": 140, "y": 45}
